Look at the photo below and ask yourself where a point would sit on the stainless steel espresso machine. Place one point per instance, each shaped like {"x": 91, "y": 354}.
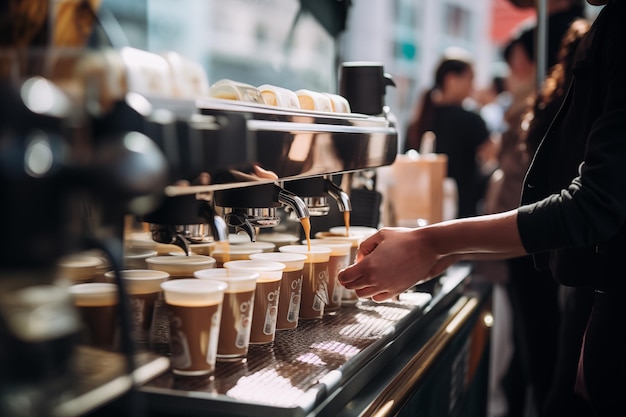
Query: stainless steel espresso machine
{"x": 73, "y": 166}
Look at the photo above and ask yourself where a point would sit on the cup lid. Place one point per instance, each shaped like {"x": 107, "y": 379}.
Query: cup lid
{"x": 180, "y": 265}
{"x": 235, "y": 280}
{"x": 268, "y": 270}
{"x": 314, "y": 255}
{"x": 94, "y": 294}
{"x": 353, "y": 230}
{"x": 140, "y": 281}
{"x": 338, "y": 247}
{"x": 291, "y": 260}
{"x": 193, "y": 292}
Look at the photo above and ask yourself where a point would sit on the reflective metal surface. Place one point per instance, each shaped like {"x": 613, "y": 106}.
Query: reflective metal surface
{"x": 306, "y": 366}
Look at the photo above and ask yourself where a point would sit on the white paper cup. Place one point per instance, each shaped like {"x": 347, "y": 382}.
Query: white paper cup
{"x": 195, "y": 309}
{"x": 290, "y": 286}
{"x": 314, "y": 279}
{"x": 266, "y": 297}
{"x": 237, "y": 307}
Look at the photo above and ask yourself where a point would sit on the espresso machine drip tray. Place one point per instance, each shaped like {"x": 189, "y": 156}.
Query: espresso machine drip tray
{"x": 303, "y": 367}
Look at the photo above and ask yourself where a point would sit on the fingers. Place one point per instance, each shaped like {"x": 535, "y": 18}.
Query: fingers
{"x": 368, "y": 245}
{"x": 354, "y": 276}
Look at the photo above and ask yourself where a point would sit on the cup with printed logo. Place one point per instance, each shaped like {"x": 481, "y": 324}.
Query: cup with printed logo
{"x": 347, "y": 296}
{"x": 266, "y": 297}
{"x": 179, "y": 267}
{"x": 314, "y": 279}
{"x": 339, "y": 259}
{"x": 143, "y": 287}
{"x": 290, "y": 286}
{"x": 237, "y": 306}
{"x": 195, "y": 311}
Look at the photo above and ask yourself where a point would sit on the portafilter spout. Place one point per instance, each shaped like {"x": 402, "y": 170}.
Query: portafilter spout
{"x": 341, "y": 197}
{"x": 291, "y": 200}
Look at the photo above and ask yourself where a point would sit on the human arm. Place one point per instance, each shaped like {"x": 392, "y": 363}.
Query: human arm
{"x": 395, "y": 259}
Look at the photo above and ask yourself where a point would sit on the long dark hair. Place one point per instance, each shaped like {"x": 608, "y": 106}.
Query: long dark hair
{"x": 425, "y": 112}
{"x": 552, "y": 93}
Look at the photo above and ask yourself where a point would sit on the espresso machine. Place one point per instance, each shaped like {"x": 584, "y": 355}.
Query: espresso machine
{"x": 73, "y": 168}
{"x": 66, "y": 188}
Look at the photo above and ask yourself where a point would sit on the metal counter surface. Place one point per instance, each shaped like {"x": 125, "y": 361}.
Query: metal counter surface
{"x": 305, "y": 367}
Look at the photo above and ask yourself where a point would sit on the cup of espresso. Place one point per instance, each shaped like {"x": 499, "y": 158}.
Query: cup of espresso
{"x": 79, "y": 268}
{"x": 266, "y": 297}
{"x": 237, "y": 308}
{"x": 314, "y": 279}
{"x": 339, "y": 259}
{"x": 178, "y": 267}
{"x": 144, "y": 288}
{"x": 97, "y": 304}
{"x": 195, "y": 311}
{"x": 290, "y": 286}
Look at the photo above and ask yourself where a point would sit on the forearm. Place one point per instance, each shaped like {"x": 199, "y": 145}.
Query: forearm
{"x": 395, "y": 259}
{"x": 494, "y": 236}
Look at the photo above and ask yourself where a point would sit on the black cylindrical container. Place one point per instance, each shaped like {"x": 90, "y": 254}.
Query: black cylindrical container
{"x": 363, "y": 85}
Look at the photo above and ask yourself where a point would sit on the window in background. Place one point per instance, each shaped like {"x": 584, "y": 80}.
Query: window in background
{"x": 252, "y": 41}
{"x": 457, "y": 21}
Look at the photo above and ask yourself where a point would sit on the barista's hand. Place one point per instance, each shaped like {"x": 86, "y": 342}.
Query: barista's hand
{"x": 391, "y": 261}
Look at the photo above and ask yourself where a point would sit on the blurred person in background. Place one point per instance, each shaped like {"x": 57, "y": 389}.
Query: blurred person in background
{"x": 494, "y": 101}
{"x": 461, "y": 134}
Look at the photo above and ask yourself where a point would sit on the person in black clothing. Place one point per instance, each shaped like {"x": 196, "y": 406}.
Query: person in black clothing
{"x": 571, "y": 219}
{"x": 459, "y": 133}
